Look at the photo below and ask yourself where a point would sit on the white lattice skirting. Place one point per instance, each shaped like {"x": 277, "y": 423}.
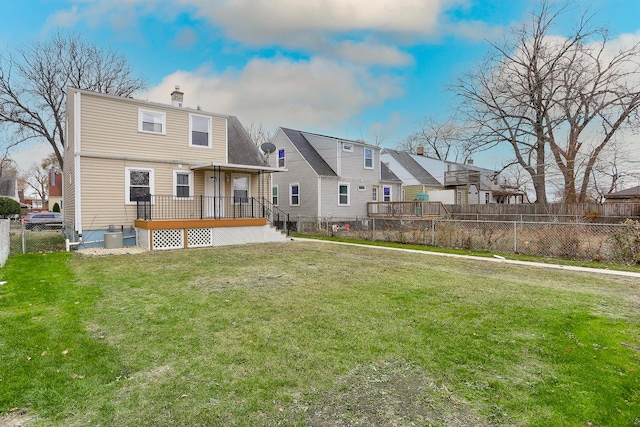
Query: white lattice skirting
{"x": 205, "y": 237}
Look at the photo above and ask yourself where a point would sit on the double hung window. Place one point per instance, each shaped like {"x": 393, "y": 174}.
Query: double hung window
{"x": 294, "y": 194}
{"x": 152, "y": 121}
{"x": 200, "y": 131}
{"x": 138, "y": 185}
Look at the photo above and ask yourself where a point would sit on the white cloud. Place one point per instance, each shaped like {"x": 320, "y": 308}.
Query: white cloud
{"x": 351, "y": 30}
{"x": 282, "y": 92}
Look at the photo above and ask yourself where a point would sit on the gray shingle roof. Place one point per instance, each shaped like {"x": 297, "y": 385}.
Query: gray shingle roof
{"x": 386, "y": 174}
{"x": 242, "y": 150}
{"x": 417, "y": 171}
{"x": 309, "y": 153}
{"x": 633, "y": 192}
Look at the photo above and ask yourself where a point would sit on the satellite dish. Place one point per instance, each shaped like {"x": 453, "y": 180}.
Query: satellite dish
{"x": 268, "y": 147}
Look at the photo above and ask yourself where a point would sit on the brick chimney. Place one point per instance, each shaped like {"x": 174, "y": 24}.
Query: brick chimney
{"x": 420, "y": 151}
{"x": 177, "y": 97}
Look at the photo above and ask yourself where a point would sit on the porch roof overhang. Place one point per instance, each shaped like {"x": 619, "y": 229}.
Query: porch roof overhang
{"x": 230, "y": 166}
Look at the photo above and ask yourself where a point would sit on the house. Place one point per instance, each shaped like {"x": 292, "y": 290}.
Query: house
{"x": 55, "y": 189}
{"x": 9, "y": 185}
{"x": 328, "y": 177}
{"x": 449, "y": 182}
{"x": 165, "y": 176}
{"x": 628, "y": 195}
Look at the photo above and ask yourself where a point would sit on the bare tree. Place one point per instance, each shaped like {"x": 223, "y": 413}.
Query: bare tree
{"x": 441, "y": 140}
{"x": 37, "y": 176}
{"x": 34, "y": 79}
{"x": 260, "y": 134}
{"x": 567, "y": 96}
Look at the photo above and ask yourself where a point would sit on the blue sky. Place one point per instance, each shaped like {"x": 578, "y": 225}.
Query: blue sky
{"x": 346, "y": 68}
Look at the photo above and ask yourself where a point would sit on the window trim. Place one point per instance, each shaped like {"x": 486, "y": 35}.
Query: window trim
{"x": 163, "y": 118}
{"x": 295, "y": 184}
{"x": 277, "y": 195}
{"x": 366, "y": 158}
{"x": 284, "y": 157}
{"x": 175, "y": 184}
{"x": 348, "y": 185}
{"x": 209, "y": 130}
{"x": 347, "y": 147}
{"x": 374, "y": 193}
{"x": 127, "y": 182}
{"x": 362, "y": 187}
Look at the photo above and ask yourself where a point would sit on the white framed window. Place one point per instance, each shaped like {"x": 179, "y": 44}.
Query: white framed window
{"x": 343, "y": 194}
{"x": 281, "y": 159}
{"x": 139, "y": 185}
{"x": 152, "y": 121}
{"x": 362, "y": 188}
{"x": 182, "y": 184}
{"x": 240, "y": 188}
{"x": 274, "y": 195}
{"x": 487, "y": 197}
{"x": 347, "y": 147}
{"x": 374, "y": 194}
{"x": 386, "y": 193}
{"x": 368, "y": 158}
{"x": 294, "y": 194}
{"x": 199, "y": 131}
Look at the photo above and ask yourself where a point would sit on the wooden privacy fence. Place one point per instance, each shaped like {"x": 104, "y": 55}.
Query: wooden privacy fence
{"x": 590, "y": 212}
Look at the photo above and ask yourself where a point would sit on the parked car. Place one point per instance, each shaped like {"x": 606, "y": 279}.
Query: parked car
{"x": 43, "y": 221}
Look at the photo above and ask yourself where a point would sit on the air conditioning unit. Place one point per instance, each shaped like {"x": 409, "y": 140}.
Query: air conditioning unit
{"x": 113, "y": 240}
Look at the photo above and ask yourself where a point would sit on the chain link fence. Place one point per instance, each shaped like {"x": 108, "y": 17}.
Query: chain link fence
{"x": 572, "y": 240}
{"x": 23, "y": 241}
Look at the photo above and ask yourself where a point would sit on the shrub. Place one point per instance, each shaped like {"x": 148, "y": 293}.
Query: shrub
{"x": 626, "y": 242}
{"x": 8, "y": 207}
{"x": 56, "y": 207}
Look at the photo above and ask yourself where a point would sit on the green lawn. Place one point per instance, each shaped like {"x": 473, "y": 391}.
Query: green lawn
{"x": 311, "y": 333}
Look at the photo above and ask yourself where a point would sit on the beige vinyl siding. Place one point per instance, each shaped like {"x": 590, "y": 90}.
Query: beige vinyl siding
{"x": 104, "y": 193}
{"x": 68, "y": 177}
{"x": 119, "y": 136}
{"x": 219, "y": 138}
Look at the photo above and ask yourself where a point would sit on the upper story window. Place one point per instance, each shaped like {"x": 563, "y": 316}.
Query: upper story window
{"x": 152, "y": 121}
{"x": 368, "y": 158}
{"x": 182, "y": 184}
{"x": 347, "y": 147}
{"x": 294, "y": 194}
{"x": 343, "y": 194}
{"x": 281, "y": 162}
{"x": 200, "y": 131}
{"x": 138, "y": 185}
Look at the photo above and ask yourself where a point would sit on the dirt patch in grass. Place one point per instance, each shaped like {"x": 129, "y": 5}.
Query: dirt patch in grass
{"x": 390, "y": 394}
{"x": 16, "y": 419}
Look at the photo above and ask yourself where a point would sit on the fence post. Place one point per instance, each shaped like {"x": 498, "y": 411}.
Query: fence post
{"x": 24, "y": 238}
{"x": 515, "y": 236}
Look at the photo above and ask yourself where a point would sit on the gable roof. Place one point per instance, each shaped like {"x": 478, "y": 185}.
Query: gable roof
{"x": 310, "y": 154}
{"x": 387, "y": 174}
{"x": 242, "y": 150}
{"x": 629, "y": 193}
{"x": 414, "y": 168}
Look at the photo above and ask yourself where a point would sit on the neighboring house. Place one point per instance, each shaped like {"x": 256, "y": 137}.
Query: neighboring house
{"x": 55, "y": 189}
{"x": 327, "y": 177}
{"x": 9, "y": 185}
{"x": 628, "y": 195}
{"x": 449, "y": 182}
{"x": 167, "y": 176}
